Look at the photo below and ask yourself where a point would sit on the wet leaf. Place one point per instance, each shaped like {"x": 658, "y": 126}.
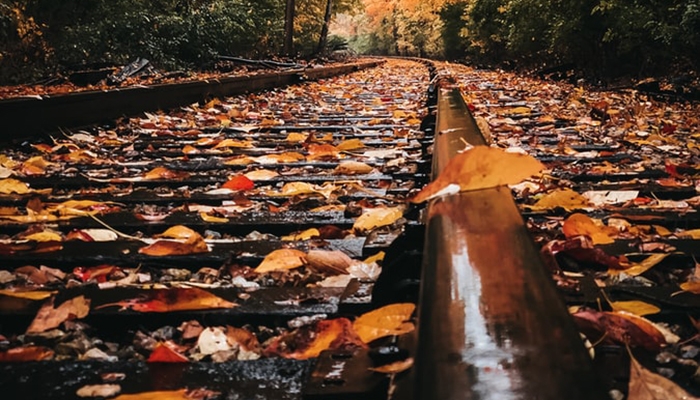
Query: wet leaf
{"x": 395, "y": 367}
{"x": 581, "y": 224}
{"x": 164, "y": 353}
{"x": 692, "y": 287}
{"x": 25, "y": 354}
{"x": 639, "y": 268}
{"x": 282, "y": 260}
{"x": 479, "y": 168}
{"x": 173, "y": 299}
{"x": 310, "y": 340}
{"x": 619, "y": 327}
{"x": 194, "y": 244}
{"x": 393, "y": 319}
{"x": 377, "y": 217}
{"x": 104, "y": 390}
{"x": 49, "y": 317}
{"x": 646, "y": 385}
{"x": 324, "y": 261}
{"x": 9, "y": 186}
{"x": 239, "y": 182}
{"x": 564, "y": 198}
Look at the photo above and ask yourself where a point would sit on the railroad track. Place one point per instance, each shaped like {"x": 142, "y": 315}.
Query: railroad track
{"x": 262, "y": 246}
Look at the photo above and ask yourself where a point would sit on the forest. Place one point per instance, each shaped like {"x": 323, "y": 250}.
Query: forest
{"x": 601, "y": 38}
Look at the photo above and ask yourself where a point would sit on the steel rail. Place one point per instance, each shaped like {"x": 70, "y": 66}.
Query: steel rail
{"x": 29, "y": 116}
{"x": 491, "y": 324}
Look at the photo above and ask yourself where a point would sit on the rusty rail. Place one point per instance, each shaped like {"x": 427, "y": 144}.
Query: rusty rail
{"x": 491, "y": 323}
{"x": 29, "y": 116}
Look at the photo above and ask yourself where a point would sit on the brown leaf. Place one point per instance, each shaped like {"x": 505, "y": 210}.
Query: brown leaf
{"x": 322, "y": 151}
{"x": 479, "y": 168}
{"x": 646, "y": 385}
{"x": 620, "y": 328}
{"x": 174, "y": 299}
{"x": 49, "y": 317}
{"x": 243, "y": 338}
{"x": 282, "y": 260}
{"x": 393, "y": 319}
{"x": 335, "y": 262}
{"x": 24, "y": 354}
{"x": 353, "y": 168}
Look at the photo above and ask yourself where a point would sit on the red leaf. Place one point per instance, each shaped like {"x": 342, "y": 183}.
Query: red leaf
{"x": 98, "y": 273}
{"x": 164, "y": 353}
{"x": 239, "y": 182}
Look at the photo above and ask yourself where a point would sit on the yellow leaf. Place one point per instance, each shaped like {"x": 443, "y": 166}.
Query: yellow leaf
{"x": 641, "y": 267}
{"x": 305, "y": 235}
{"x": 479, "y": 168}
{"x": 45, "y": 236}
{"x": 179, "y": 232}
{"x": 350, "y": 144}
{"x": 296, "y": 137}
{"x": 376, "y": 217}
{"x": 564, "y": 198}
{"x": 395, "y": 367}
{"x": 159, "y": 395}
{"x": 282, "y": 260}
{"x": 375, "y": 258}
{"x": 635, "y": 307}
{"x": 29, "y": 295}
{"x": 520, "y": 110}
{"x": 9, "y": 186}
{"x": 228, "y": 143}
{"x": 399, "y": 114}
{"x": 581, "y": 224}
{"x": 388, "y": 320}
{"x": 212, "y": 219}
{"x": 662, "y": 231}
{"x": 692, "y": 234}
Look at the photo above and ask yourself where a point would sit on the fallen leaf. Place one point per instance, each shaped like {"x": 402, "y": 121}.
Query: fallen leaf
{"x": 581, "y": 224}
{"x": 305, "y": 235}
{"x": 239, "y": 182}
{"x": 282, "y": 260}
{"x": 98, "y": 273}
{"x": 164, "y": 353}
{"x": 29, "y": 295}
{"x": 158, "y": 395}
{"x": 105, "y": 390}
{"x": 335, "y": 262}
{"x": 211, "y": 340}
{"x": 393, "y": 319}
{"x": 243, "y": 338}
{"x": 350, "y": 144}
{"x": 233, "y": 143}
{"x": 173, "y": 299}
{"x": 25, "y": 354}
{"x": 194, "y": 244}
{"x": 212, "y": 219}
{"x": 564, "y": 198}
{"x": 310, "y": 340}
{"x": 646, "y": 385}
{"x": 322, "y": 151}
{"x": 692, "y": 287}
{"x": 261, "y": 175}
{"x": 189, "y": 149}
{"x": 691, "y": 233}
{"x": 9, "y": 186}
{"x": 287, "y": 157}
{"x": 353, "y": 168}
{"x": 190, "y": 329}
{"x": 49, "y": 317}
{"x": 619, "y": 327}
{"x": 635, "y": 307}
{"x": 395, "y": 367}
{"x": 377, "y": 217}
{"x": 639, "y": 268}
{"x": 479, "y": 168}
{"x": 296, "y": 137}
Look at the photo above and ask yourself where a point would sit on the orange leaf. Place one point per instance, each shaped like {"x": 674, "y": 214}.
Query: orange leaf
{"x": 233, "y": 143}
{"x": 9, "y": 186}
{"x": 310, "y": 340}
{"x": 174, "y": 299}
{"x": 239, "y": 182}
{"x": 24, "y": 354}
{"x": 376, "y": 217}
{"x": 164, "y": 353}
{"x": 322, "y": 151}
{"x": 580, "y": 224}
{"x": 189, "y": 149}
{"x": 388, "y": 320}
{"x": 335, "y": 262}
{"x": 49, "y": 317}
{"x": 479, "y": 168}
{"x": 195, "y": 244}
{"x": 282, "y": 260}
{"x": 350, "y": 144}
{"x": 164, "y": 173}
{"x": 564, "y": 198}
{"x": 179, "y": 232}
{"x": 159, "y": 395}
{"x": 646, "y": 385}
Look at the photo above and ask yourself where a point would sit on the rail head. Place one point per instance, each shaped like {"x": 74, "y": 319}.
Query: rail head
{"x": 491, "y": 322}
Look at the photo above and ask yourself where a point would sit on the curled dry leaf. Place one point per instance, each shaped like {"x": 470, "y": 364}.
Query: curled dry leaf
{"x": 103, "y": 391}
{"x": 393, "y": 319}
{"x": 174, "y": 299}
{"x": 581, "y": 224}
{"x": 282, "y": 260}
{"x": 335, "y": 262}
{"x": 49, "y": 317}
{"x": 646, "y": 385}
{"x": 25, "y": 354}
{"x": 212, "y": 340}
{"x": 322, "y": 151}
{"x": 479, "y": 168}
{"x": 377, "y": 217}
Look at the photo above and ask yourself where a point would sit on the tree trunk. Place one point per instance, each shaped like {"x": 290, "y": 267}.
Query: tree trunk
{"x": 289, "y": 28}
{"x": 324, "y": 31}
